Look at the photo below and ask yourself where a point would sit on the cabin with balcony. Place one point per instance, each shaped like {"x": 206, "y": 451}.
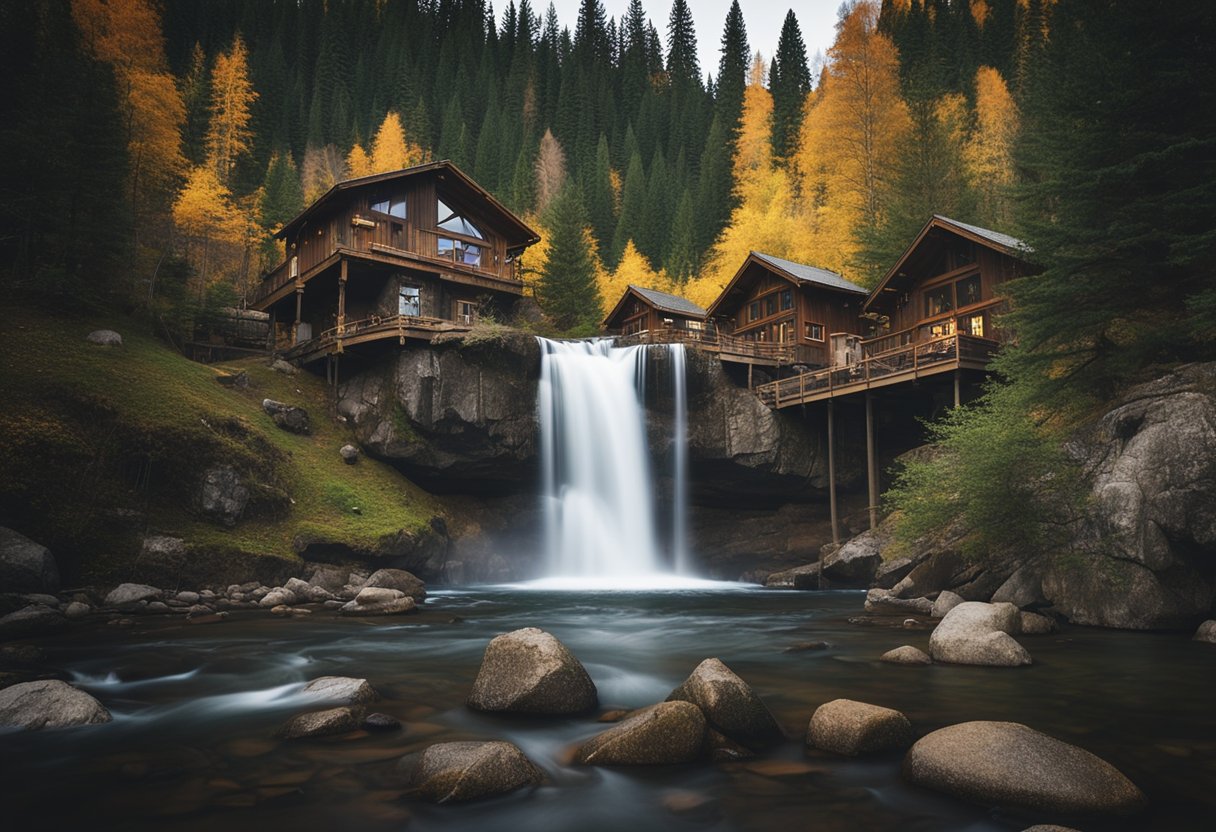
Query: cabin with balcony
{"x": 777, "y": 312}
{"x": 653, "y": 317}
{"x": 392, "y": 257}
{"x": 934, "y": 312}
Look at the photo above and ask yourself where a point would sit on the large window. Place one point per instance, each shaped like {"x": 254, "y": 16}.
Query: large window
{"x": 967, "y": 291}
{"x": 466, "y": 312}
{"x": 939, "y": 301}
{"x": 814, "y": 332}
{"x": 409, "y": 302}
{"x": 787, "y": 299}
{"x": 459, "y": 251}
{"x": 393, "y": 206}
{"x": 753, "y": 311}
{"x": 449, "y": 220}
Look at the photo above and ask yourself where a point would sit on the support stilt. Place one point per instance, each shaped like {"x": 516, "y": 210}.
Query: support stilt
{"x": 295, "y": 327}
{"x": 749, "y": 376}
{"x": 871, "y": 461}
{"x": 832, "y": 469}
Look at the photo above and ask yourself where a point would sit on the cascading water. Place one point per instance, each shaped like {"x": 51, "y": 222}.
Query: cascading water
{"x": 599, "y": 504}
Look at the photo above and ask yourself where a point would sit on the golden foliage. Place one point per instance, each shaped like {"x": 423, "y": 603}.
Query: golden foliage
{"x": 321, "y": 169}
{"x": 358, "y": 163}
{"x": 754, "y": 149}
{"x": 218, "y": 230}
{"x": 391, "y": 149}
{"x": 232, "y": 98}
{"x": 633, "y": 270}
{"x": 980, "y": 12}
{"x": 550, "y": 170}
{"x": 988, "y": 152}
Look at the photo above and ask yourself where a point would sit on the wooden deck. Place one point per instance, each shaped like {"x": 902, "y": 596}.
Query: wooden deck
{"x": 399, "y": 327}
{"x": 726, "y": 347}
{"x": 908, "y": 363}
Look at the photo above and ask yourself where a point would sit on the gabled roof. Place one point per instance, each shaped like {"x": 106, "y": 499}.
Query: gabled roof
{"x": 995, "y": 240}
{"x": 517, "y": 233}
{"x": 798, "y": 273}
{"x": 661, "y": 301}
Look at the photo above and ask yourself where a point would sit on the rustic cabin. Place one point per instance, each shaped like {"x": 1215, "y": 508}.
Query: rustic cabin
{"x": 651, "y": 316}
{"x": 777, "y": 312}
{"x": 393, "y": 256}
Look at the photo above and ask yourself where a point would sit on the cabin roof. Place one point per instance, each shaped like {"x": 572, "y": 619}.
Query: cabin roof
{"x": 662, "y": 301}
{"x": 517, "y": 233}
{"x": 798, "y": 273}
{"x": 995, "y": 240}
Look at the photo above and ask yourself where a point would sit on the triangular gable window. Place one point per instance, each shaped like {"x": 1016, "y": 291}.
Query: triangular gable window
{"x": 449, "y": 220}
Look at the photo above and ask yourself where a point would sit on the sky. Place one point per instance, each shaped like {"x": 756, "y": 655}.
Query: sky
{"x": 816, "y": 18}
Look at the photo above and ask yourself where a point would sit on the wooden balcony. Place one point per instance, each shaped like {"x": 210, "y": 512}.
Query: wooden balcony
{"x": 894, "y": 366}
{"x": 399, "y": 327}
{"x": 726, "y": 347}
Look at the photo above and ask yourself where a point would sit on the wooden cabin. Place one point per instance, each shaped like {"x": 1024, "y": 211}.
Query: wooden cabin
{"x": 656, "y": 317}
{"x": 785, "y": 312}
{"x": 945, "y": 283}
{"x": 934, "y": 312}
{"x": 400, "y": 255}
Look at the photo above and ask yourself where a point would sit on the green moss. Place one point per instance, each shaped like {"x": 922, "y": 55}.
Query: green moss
{"x": 99, "y": 444}
{"x": 403, "y": 428}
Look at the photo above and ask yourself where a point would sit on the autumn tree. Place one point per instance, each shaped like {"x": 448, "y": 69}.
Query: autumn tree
{"x": 988, "y": 153}
{"x": 550, "y": 170}
{"x": 632, "y": 270}
{"x": 358, "y": 162}
{"x": 232, "y": 96}
{"x": 855, "y": 125}
{"x": 213, "y": 227}
{"x": 391, "y": 149}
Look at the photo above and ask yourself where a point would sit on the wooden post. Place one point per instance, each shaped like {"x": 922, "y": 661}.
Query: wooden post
{"x": 958, "y": 387}
{"x": 832, "y": 469}
{"x": 749, "y": 376}
{"x": 342, "y": 301}
{"x": 871, "y": 462}
{"x": 295, "y": 328}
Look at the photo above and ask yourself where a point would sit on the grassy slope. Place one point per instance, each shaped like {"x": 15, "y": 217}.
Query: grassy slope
{"x": 89, "y": 433}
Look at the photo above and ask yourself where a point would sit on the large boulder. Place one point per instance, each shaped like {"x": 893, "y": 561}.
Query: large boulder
{"x": 945, "y": 602}
{"x": 1010, "y": 765}
{"x": 855, "y": 563}
{"x": 104, "y": 338}
{"x": 31, "y": 620}
{"x": 340, "y": 689}
{"x": 1206, "y": 632}
{"x": 49, "y": 703}
{"x": 730, "y": 705}
{"x": 979, "y": 633}
{"x": 289, "y": 417}
{"x": 452, "y": 772}
{"x": 125, "y": 596}
{"x": 885, "y": 602}
{"x": 399, "y": 579}
{"x": 26, "y": 566}
{"x": 530, "y": 671}
{"x": 373, "y": 600}
{"x": 844, "y": 726}
{"x": 223, "y": 495}
{"x": 321, "y": 723}
{"x": 666, "y": 733}
{"x": 800, "y": 577}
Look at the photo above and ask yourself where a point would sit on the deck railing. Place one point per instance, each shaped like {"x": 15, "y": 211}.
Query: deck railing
{"x": 710, "y": 340}
{"x": 907, "y": 359}
{"x": 399, "y": 326}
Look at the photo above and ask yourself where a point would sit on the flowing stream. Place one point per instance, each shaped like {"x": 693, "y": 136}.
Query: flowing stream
{"x": 599, "y": 500}
{"x": 193, "y": 745}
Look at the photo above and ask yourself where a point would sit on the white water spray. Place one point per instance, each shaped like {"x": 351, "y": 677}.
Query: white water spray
{"x": 599, "y": 510}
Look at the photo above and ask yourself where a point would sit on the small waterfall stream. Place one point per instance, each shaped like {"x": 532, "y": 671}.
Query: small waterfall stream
{"x": 599, "y": 500}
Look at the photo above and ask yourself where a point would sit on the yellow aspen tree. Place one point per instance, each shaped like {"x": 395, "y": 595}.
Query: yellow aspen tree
{"x": 232, "y": 96}
{"x": 754, "y": 148}
{"x": 205, "y": 216}
{"x": 550, "y": 170}
{"x": 359, "y": 163}
{"x": 988, "y": 152}
{"x": 633, "y": 270}
{"x": 855, "y": 123}
{"x": 391, "y": 149}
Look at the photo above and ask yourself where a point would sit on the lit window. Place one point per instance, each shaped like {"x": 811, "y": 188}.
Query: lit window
{"x": 408, "y": 302}
{"x": 449, "y": 220}
{"x": 975, "y": 326}
{"x": 695, "y": 326}
{"x": 814, "y": 332}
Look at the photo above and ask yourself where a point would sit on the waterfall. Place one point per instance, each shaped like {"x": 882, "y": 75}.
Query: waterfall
{"x": 599, "y": 501}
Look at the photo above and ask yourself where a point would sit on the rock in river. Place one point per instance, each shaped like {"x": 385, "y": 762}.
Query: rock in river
{"x": 401, "y": 580}
{"x": 669, "y": 732}
{"x": 530, "y": 671}
{"x": 730, "y": 705}
{"x": 457, "y": 771}
{"x": 979, "y": 633}
{"x": 1207, "y": 632}
{"x": 844, "y": 726}
{"x": 373, "y": 600}
{"x": 128, "y": 595}
{"x": 49, "y": 703}
{"x": 906, "y": 655}
{"x": 1011, "y": 765}
{"x": 321, "y": 723}
{"x": 31, "y": 620}
{"x": 341, "y": 689}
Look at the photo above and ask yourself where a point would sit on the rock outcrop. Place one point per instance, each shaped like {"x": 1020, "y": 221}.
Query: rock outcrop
{"x": 49, "y": 703}
{"x": 405, "y": 582}
{"x": 851, "y": 728}
{"x": 1010, "y": 765}
{"x": 663, "y": 734}
{"x": 529, "y": 671}
{"x": 730, "y": 705}
{"x": 26, "y": 566}
{"x": 978, "y": 633}
{"x": 856, "y": 562}
{"x": 453, "y": 772}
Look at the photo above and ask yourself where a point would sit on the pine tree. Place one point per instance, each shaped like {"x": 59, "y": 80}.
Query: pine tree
{"x": 732, "y": 70}
{"x": 281, "y": 197}
{"x": 682, "y": 64}
{"x": 633, "y": 207}
{"x": 569, "y": 293}
{"x": 715, "y": 188}
{"x": 196, "y": 94}
{"x": 654, "y": 231}
{"x": 681, "y": 259}
{"x": 789, "y": 82}
{"x": 601, "y": 203}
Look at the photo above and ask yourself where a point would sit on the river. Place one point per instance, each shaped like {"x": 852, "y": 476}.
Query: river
{"x": 196, "y": 707}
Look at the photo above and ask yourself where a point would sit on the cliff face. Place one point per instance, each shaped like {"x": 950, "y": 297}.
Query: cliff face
{"x": 460, "y": 418}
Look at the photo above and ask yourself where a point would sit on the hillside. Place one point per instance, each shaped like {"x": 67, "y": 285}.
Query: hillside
{"x": 102, "y": 446}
